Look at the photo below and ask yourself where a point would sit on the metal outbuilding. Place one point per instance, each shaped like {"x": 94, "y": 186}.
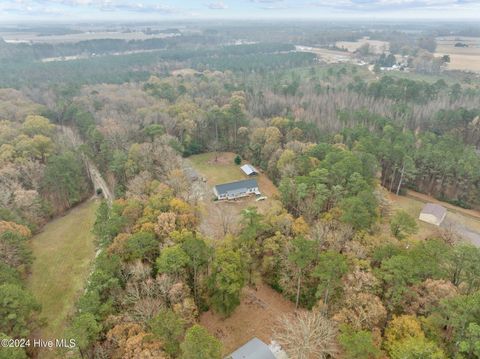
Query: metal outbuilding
{"x": 249, "y": 170}
{"x": 433, "y": 213}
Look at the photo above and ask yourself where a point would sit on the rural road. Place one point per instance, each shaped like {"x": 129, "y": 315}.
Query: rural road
{"x": 93, "y": 172}
{"x": 467, "y": 233}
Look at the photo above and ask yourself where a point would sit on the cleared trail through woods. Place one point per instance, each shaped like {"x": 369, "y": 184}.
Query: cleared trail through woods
{"x": 63, "y": 255}
{"x": 93, "y": 172}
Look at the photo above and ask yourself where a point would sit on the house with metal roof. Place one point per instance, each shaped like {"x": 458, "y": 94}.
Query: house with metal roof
{"x": 254, "y": 349}
{"x": 433, "y": 213}
{"x": 249, "y": 170}
{"x": 237, "y": 189}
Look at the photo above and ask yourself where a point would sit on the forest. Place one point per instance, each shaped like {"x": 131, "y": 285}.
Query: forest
{"x": 336, "y": 140}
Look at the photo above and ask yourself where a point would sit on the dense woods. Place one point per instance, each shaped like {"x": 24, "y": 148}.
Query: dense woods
{"x": 334, "y": 140}
{"x": 324, "y": 246}
{"x": 40, "y": 177}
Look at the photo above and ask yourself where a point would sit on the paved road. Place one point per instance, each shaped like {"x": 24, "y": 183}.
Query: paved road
{"x": 93, "y": 172}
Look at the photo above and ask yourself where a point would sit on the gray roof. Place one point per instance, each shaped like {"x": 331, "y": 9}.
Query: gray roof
{"x": 254, "y": 349}
{"x": 249, "y": 169}
{"x": 233, "y": 187}
{"x": 435, "y": 210}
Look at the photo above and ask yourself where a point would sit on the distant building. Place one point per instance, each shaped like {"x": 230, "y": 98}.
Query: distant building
{"x": 254, "y": 349}
{"x": 433, "y": 213}
{"x": 249, "y": 170}
{"x": 237, "y": 189}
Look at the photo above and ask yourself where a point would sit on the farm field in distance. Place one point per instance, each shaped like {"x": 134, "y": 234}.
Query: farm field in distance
{"x": 376, "y": 46}
{"x": 32, "y": 37}
{"x": 461, "y": 58}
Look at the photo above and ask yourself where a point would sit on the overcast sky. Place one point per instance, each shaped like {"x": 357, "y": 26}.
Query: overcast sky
{"x": 13, "y": 10}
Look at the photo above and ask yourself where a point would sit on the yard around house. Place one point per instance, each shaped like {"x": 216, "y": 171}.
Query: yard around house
{"x": 463, "y": 221}
{"x": 63, "y": 253}
{"x": 260, "y": 307}
{"x": 217, "y": 169}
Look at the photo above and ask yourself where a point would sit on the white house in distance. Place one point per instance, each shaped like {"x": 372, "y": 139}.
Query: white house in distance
{"x": 433, "y": 213}
{"x": 236, "y": 189}
{"x": 249, "y": 170}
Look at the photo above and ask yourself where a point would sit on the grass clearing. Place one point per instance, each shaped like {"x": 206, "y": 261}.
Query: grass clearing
{"x": 465, "y": 222}
{"x": 216, "y": 213}
{"x": 218, "y": 168}
{"x": 63, "y": 254}
{"x": 414, "y": 207}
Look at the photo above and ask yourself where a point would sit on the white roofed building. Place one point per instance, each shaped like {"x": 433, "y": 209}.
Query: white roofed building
{"x": 433, "y": 213}
{"x": 249, "y": 170}
{"x": 254, "y": 349}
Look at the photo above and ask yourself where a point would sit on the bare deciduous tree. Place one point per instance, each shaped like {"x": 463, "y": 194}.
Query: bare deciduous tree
{"x": 226, "y": 216}
{"x": 307, "y": 335}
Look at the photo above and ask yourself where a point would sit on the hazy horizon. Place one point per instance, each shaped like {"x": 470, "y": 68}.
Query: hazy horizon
{"x": 21, "y": 11}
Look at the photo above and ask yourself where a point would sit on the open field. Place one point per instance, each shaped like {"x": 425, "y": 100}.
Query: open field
{"x": 63, "y": 254}
{"x": 217, "y": 215}
{"x": 256, "y": 316}
{"x": 461, "y": 58}
{"x": 376, "y": 46}
{"x": 33, "y": 37}
{"x": 327, "y": 55}
{"x": 464, "y": 222}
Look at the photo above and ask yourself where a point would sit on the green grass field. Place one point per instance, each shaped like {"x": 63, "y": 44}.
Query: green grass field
{"x": 224, "y": 170}
{"x": 63, "y": 254}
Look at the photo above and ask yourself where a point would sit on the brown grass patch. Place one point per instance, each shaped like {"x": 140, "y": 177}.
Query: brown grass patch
{"x": 256, "y": 316}
{"x": 376, "y": 46}
{"x": 461, "y": 58}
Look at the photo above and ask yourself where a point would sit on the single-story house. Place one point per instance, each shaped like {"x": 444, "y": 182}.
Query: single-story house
{"x": 237, "y": 189}
{"x": 254, "y": 349}
{"x": 249, "y": 170}
{"x": 433, "y": 213}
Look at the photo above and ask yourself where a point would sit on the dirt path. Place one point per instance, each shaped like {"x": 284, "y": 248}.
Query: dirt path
{"x": 93, "y": 172}
{"x": 63, "y": 253}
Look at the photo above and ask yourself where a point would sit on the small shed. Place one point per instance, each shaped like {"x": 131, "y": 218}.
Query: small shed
{"x": 254, "y": 349}
{"x": 433, "y": 213}
{"x": 249, "y": 170}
